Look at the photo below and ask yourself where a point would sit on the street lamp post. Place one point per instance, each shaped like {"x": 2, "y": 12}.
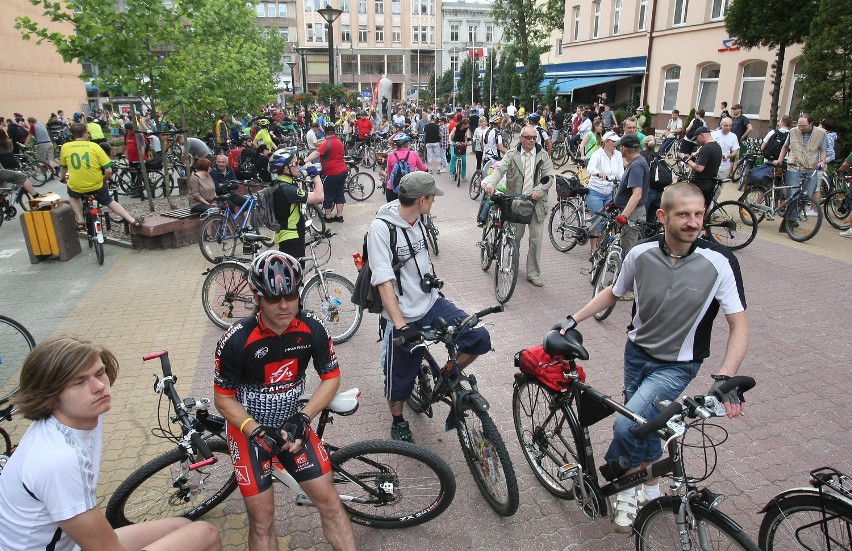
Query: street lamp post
{"x": 292, "y": 65}
{"x": 330, "y": 15}
{"x": 532, "y": 97}
{"x": 303, "y": 53}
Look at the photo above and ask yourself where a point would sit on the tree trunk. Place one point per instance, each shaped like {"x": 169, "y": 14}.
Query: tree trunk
{"x": 776, "y": 85}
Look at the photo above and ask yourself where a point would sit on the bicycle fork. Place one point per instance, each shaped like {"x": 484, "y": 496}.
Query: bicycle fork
{"x": 97, "y": 229}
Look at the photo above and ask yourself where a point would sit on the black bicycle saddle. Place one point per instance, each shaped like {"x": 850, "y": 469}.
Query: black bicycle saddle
{"x": 569, "y": 345}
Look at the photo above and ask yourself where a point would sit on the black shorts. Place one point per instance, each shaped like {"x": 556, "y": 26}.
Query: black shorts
{"x": 102, "y": 194}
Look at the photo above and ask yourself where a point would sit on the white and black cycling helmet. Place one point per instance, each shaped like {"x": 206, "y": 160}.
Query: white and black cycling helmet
{"x": 401, "y": 138}
{"x": 275, "y": 274}
{"x": 281, "y": 159}
{"x": 496, "y": 119}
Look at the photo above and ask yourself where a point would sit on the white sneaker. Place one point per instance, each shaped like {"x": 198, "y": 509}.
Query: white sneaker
{"x": 625, "y": 511}
{"x": 847, "y": 233}
{"x": 810, "y": 213}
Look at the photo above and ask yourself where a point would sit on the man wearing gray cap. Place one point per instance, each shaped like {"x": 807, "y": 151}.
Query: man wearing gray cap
{"x": 409, "y": 292}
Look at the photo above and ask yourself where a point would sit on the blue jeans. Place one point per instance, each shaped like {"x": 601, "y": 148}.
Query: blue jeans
{"x": 596, "y": 201}
{"x": 646, "y": 381}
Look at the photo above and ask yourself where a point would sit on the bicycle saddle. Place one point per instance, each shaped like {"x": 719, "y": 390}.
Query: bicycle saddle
{"x": 569, "y": 345}
{"x": 254, "y": 238}
{"x": 344, "y": 403}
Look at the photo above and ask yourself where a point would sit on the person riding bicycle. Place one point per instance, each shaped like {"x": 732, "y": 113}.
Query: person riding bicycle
{"x": 528, "y": 171}
{"x": 680, "y": 282}
{"x": 260, "y": 371}
{"x": 409, "y": 293}
{"x": 806, "y": 146}
{"x": 86, "y": 169}
{"x": 493, "y": 140}
{"x": 363, "y": 127}
{"x": 289, "y": 199}
{"x": 48, "y": 489}
{"x": 403, "y": 153}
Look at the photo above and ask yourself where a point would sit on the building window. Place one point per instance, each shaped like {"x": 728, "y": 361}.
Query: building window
{"x": 345, "y": 36}
{"x": 680, "y": 7}
{"x": 596, "y": 19}
{"x": 708, "y": 84}
{"x": 454, "y": 63}
{"x": 489, "y": 33}
{"x": 454, "y": 32}
{"x": 575, "y": 34}
{"x": 616, "y": 17}
{"x": 380, "y": 6}
{"x": 380, "y": 35}
{"x": 670, "y": 85}
{"x": 718, "y": 10}
{"x": 471, "y": 33}
{"x": 395, "y": 65}
{"x": 751, "y": 89}
{"x": 344, "y": 6}
{"x": 285, "y": 34}
{"x": 362, "y": 34}
{"x": 309, "y": 32}
{"x": 643, "y": 14}
{"x": 397, "y": 35}
{"x": 395, "y": 7}
{"x": 271, "y": 10}
{"x": 362, "y": 6}
{"x": 558, "y": 46}
{"x": 260, "y": 11}
{"x": 424, "y": 7}
{"x": 796, "y": 90}
{"x": 282, "y": 10}
{"x": 315, "y": 32}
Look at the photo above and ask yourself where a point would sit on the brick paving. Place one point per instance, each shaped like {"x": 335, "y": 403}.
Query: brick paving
{"x": 797, "y": 418}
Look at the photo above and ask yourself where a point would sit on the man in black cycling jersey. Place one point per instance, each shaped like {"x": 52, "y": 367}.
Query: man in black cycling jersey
{"x": 260, "y": 368}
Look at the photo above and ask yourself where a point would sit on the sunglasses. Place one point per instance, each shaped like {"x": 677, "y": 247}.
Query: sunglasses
{"x": 528, "y": 137}
{"x": 275, "y": 300}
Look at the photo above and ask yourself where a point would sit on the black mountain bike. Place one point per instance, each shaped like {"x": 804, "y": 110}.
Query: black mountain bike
{"x": 484, "y": 450}
{"x": 382, "y": 483}
{"x": 552, "y": 428}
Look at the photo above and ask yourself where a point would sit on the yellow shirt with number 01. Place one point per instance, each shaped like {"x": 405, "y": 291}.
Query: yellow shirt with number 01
{"x": 85, "y": 162}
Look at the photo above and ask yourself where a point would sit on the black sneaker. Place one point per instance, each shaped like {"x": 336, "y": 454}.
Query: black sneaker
{"x": 400, "y": 431}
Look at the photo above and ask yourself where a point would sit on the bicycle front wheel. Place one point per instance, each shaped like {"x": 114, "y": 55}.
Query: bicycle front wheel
{"x": 432, "y": 235}
{"x": 165, "y": 487}
{"x": 36, "y": 173}
{"x": 314, "y": 220}
{"x": 369, "y": 160}
{"x": 487, "y": 459}
{"x": 329, "y": 301}
{"x": 486, "y": 246}
{"x": 802, "y": 219}
{"x": 564, "y": 226}
{"x": 506, "y": 273}
{"x": 15, "y": 344}
{"x": 546, "y": 441}
{"x": 797, "y": 522}
{"x": 218, "y": 238}
{"x": 360, "y": 185}
{"x": 836, "y": 209}
{"x": 656, "y": 529}
{"x": 392, "y": 484}
{"x": 606, "y": 277}
{"x": 226, "y": 295}
{"x": 473, "y": 189}
{"x": 726, "y": 224}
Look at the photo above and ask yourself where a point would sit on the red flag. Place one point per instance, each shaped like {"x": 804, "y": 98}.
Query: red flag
{"x": 475, "y": 53}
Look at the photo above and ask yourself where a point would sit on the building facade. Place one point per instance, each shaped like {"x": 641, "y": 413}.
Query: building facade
{"x": 468, "y": 29}
{"x": 34, "y": 80}
{"x": 668, "y": 54}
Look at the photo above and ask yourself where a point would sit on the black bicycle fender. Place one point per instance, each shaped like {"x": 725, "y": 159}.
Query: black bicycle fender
{"x": 791, "y": 493}
{"x": 476, "y": 400}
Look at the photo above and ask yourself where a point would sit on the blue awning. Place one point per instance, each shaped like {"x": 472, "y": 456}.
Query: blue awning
{"x": 568, "y": 85}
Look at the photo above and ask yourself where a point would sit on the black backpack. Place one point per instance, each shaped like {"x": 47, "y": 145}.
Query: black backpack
{"x": 661, "y": 174}
{"x": 365, "y": 294}
{"x": 774, "y": 145}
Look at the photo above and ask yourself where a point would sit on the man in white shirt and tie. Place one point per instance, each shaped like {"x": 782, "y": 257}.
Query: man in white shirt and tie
{"x": 528, "y": 171}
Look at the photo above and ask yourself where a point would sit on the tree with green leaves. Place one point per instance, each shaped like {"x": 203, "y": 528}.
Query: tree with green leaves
{"x": 331, "y": 94}
{"x": 827, "y": 76}
{"x": 531, "y": 78}
{"x": 549, "y": 97}
{"x": 205, "y": 57}
{"x": 488, "y": 89}
{"x": 469, "y": 83}
{"x": 527, "y": 24}
{"x": 774, "y": 24}
{"x": 508, "y": 79}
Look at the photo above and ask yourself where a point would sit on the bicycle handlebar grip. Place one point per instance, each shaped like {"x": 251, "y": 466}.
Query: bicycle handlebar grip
{"x": 164, "y": 361}
{"x": 491, "y": 310}
{"x": 201, "y": 446}
{"x": 657, "y": 422}
{"x": 743, "y": 382}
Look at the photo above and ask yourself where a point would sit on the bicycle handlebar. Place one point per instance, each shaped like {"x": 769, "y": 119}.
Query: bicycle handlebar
{"x": 695, "y": 407}
{"x": 444, "y": 329}
{"x": 168, "y": 387}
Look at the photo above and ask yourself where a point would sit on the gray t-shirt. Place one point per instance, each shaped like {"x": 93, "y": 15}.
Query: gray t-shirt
{"x": 196, "y": 148}
{"x": 637, "y": 174}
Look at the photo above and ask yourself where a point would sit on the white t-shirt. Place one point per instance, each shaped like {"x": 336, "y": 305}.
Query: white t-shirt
{"x": 510, "y": 110}
{"x": 490, "y": 139}
{"x": 156, "y": 147}
{"x": 51, "y": 477}
{"x": 729, "y": 143}
{"x": 311, "y": 139}
{"x": 601, "y": 163}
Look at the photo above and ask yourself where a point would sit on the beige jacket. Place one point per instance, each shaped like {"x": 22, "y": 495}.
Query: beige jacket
{"x": 806, "y": 157}
{"x": 512, "y": 166}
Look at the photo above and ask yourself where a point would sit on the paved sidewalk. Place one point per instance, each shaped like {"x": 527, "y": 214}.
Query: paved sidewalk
{"x": 797, "y": 418}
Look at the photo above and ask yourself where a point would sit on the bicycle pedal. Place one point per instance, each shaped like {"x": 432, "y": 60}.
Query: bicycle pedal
{"x": 568, "y": 471}
{"x": 586, "y": 271}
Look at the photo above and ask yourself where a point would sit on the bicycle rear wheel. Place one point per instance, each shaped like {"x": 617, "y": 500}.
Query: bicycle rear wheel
{"x": 545, "y": 435}
{"x": 314, "y": 215}
{"x": 487, "y": 459}
{"x": 756, "y": 197}
{"x": 506, "y": 272}
{"x": 226, "y": 295}
{"x": 15, "y": 344}
{"x": 656, "y": 529}
{"x": 392, "y": 484}
{"x": 218, "y": 238}
{"x": 802, "y": 219}
{"x": 473, "y": 189}
{"x": 836, "y": 209}
{"x": 360, "y": 185}
{"x": 431, "y": 235}
{"x": 99, "y": 250}
{"x": 331, "y": 304}
{"x": 564, "y": 227}
{"x": 164, "y": 488}
{"x": 486, "y": 246}
{"x": 35, "y": 172}
{"x": 23, "y": 200}
{"x": 607, "y": 276}
{"x": 726, "y": 224}
{"x": 797, "y": 522}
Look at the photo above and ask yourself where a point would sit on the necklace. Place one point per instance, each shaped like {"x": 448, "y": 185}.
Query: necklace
{"x": 670, "y": 255}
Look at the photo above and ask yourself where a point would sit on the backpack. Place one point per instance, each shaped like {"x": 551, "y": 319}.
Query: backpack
{"x": 365, "y": 294}
{"x": 266, "y": 208}
{"x": 774, "y": 145}
{"x": 17, "y": 133}
{"x": 661, "y": 174}
{"x": 400, "y": 169}
{"x": 234, "y": 158}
